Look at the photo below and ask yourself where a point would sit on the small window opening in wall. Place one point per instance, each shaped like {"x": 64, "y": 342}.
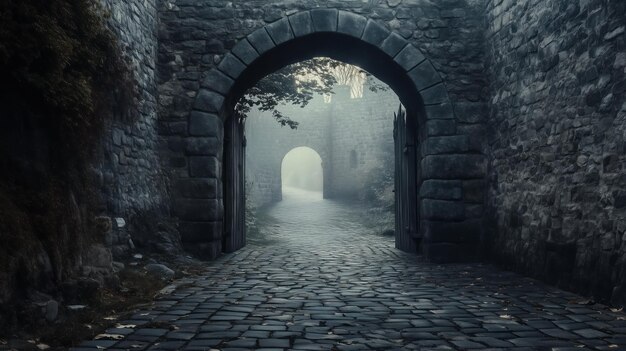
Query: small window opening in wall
{"x": 353, "y": 159}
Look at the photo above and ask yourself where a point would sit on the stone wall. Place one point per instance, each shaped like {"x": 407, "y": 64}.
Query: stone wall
{"x": 131, "y": 172}
{"x": 363, "y": 125}
{"x": 63, "y": 247}
{"x": 362, "y": 129}
{"x": 268, "y": 143}
{"x": 132, "y": 176}
{"x": 558, "y": 115}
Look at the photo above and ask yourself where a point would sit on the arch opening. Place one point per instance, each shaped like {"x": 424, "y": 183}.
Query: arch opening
{"x": 339, "y": 47}
{"x": 389, "y": 69}
{"x": 440, "y": 215}
{"x": 301, "y": 171}
{"x": 355, "y": 137}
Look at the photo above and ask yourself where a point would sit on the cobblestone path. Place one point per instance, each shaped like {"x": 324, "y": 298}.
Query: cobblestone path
{"x": 318, "y": 280}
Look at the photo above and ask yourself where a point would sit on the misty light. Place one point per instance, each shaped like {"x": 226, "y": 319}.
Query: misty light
{"x": 302, "y": 169}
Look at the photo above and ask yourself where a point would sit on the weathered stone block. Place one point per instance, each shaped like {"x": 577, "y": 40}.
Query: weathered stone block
{"x": 204, "y": 250}
{"x": 200, "y": 232}
{"x": 351, "y": 24}
{"x": 209, "y": 146}
{"x": 280, "y": 31}
{"x": 445, "y": 145}
{"x": 469, "y": 231}
{"x": 245, "y": 52}
{"x": 441, "y": 111}
{"x": 442, "y": 189}
{"x": 197, "y": 188}
{"x": 231, "y": 66}
{"x": 204, "y": 167}
{"x": 393, "y": 44}
{"x": 474, "y": 190}
{"x": 117, "y": 137}
{"x": 409, "y": 57}
{"x": 424, "y": 75}
{"x": 261, "y": 41}
{"x": 205, "y": 124}
{"x": 208, "y": 101}
{"x": 217, "y": 81}
{"x": 442, "y": 210}
{"x": 374, "y": 33}
{"x": 301, "y": 24}
{"x": 324, "y": 20}
{"x": 198, "y": 209}
{"x": 435, "y": 95}
{"x": 436, "y": 127}
{"x": 467, "y": 166}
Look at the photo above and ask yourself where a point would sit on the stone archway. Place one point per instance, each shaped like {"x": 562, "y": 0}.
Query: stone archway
{"x": 314, "y": 168}
{"x": 449, "y": 228}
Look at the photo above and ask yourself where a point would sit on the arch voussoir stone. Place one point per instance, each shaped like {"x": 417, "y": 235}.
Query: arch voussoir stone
{"x": 409, "y": 57}
{"x": 301, "y": 23}
{"x": 324, "y": 20}
{"x": 232, "y": 66}
{"x": 280, "y": 31}
{"x": 217, "y": 81}
{"x": 351, "y": 24}
{"x": 208, "y": 101}
{"x": 435, "y": 95}
{"x": 424, "y": 75}
{"x": 245, "y": 51}
{"x": 261, "y": 40}
{"x": 375, "y": 33}
{"x": 393, "y": 44}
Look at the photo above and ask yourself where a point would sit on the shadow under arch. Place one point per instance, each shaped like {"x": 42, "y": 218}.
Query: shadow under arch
{"x": 353, "y": 39}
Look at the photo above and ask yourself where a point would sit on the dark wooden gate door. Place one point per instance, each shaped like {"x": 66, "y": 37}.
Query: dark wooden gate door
{"x": 404, "y": 135}
{"x": 234, "y": 185}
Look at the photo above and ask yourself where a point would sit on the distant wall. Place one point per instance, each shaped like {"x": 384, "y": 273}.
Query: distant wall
{"x": 558, "y": 115}
{"x": 363, "y": 125}
{"x": 268, "y": 143}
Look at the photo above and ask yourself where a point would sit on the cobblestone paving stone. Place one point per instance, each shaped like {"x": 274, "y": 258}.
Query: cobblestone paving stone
{"x": 319, "y": 280}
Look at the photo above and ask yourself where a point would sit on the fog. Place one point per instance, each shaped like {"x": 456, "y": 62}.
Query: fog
{"x": 302, "y": 169}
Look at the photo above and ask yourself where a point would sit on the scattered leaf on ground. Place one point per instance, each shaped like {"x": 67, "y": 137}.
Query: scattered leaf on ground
{"x": 582, "y": 302}
{"x": 125, "y": 326}
{"x": 109, "y": 336}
